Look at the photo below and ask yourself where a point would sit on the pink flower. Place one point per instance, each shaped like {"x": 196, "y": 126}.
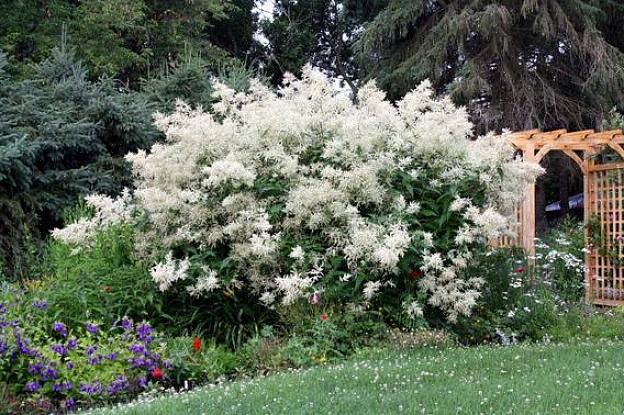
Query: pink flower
{"x": 315, "y": 298}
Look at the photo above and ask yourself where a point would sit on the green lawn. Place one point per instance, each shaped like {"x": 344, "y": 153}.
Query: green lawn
{"x": 580, "y": 378}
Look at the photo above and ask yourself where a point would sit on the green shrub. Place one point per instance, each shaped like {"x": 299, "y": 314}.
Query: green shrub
{"x": 560, "y": 259}
{"x": 103, "y": 282}
{"x": 514, "y": 305}
{"x": 291, "y": 193}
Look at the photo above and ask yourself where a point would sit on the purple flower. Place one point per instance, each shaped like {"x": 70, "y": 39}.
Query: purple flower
{"x": 22, "y": 345}
{"x": 60, "y": 329}
{"x": 69, "y": 404}
{"x": 144, "y": 332}
{"x": 40, "y": 304}
{"x": 2, "y": 308}
{"x": 72, "y": 343}
{"x": 67, "y": 385}
{"x": 117, "y": 385}
{"x": 32, "y": 386}
{"x": 112, "y": 356}
{"x": 90, "y": 350}
{"x": 90, "y": 388}
{"x": 48, "y": 374}
{"x": 141, "y": 382}
{"x": 35, "y": 368}
{"x": 56, "y": 387}
{"x": 91, "y": 328}
{"x": 95, "y": 360}
{"x": 136, "y": 362}
{"x": 137, "y": 348}
{"x": 58, "y": 349}
{"x": 69, "y": 365}
{"x": 126, "y": 324}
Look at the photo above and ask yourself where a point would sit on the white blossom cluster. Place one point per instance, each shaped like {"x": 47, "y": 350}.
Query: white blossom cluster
{"x": 306, "y": 164}
{"x": 106, "y": 212}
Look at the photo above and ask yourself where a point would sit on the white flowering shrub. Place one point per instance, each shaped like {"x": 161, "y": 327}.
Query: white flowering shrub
{"x": 288, "y": 193}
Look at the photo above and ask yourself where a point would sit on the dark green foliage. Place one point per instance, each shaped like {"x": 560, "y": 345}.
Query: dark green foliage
{"x": 125, "y": 38}
{"x": 192, "y": 81}
{"x": 321, "y": 32}
{"x": 62, "y": 137}
{"x": 229, "y": 319}
{"x": 515, "y": 63}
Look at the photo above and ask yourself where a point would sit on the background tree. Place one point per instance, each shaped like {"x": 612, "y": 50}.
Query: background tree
{"x": 515, "y": 63}
{"x": 191, "y": 81}
{"x": 62, "y": 137}
{"x": 321, "y": 32}
{"x": 125, "y": 39}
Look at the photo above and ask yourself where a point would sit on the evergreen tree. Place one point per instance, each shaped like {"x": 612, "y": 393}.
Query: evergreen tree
{"x": 515, "y": 63}
{"x": 321, "y": 32}
{"x": 62, "y": 136}
{"x": 191, "y": 81}
{"x": 125, "y": 39}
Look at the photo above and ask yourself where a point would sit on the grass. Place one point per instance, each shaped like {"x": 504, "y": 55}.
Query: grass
{"x": 584, "y": 377}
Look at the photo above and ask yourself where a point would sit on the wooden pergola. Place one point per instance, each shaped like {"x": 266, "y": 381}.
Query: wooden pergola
{"x": 603, "y": 193}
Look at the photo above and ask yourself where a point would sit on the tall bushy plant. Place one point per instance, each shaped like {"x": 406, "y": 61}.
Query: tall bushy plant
{"x": 62, "y": 137}
{"x": 300, "y": 193}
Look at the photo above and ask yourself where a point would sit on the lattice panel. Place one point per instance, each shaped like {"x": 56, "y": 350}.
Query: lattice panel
{"x": 515, "y": 230}
{"x": 604, "y": 261}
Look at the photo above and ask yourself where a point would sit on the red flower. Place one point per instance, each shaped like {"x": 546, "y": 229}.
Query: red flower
{"x": 519, "y": 270}
{"x": 106, "y": 289}
{"x": 196, "y": 344}
{"x": 156, "y": 373}
{"x": 415, "y": 274}
{"x": 323, "y": 317}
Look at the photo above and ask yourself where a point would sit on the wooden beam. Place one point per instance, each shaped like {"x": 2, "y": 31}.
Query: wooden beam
{"x": 588, "y": 164}
{"x": 528, "y": 207}
{"x": 520, "y": 138}
{"x": 577, "y": 159}
{"x": 609, "y": 133}
{"x": 548, "y": 137}
{"x": 575, "y": 137}
{"x": 617, "y": 148}
{"x": 525, "y": 133}
{"x": 608, "y": 166}
{"x": 542, "y": 153}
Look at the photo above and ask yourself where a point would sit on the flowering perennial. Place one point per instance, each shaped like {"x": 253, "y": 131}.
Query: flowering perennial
{"x": 62, "y": 368}
{"x": 285, "y": 193}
